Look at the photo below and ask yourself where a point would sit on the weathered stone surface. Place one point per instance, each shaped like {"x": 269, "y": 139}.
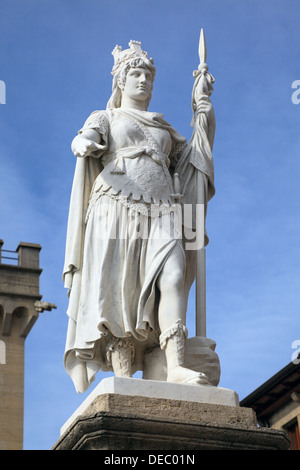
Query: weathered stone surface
{"x": 139, "y": 389}
{"x": 179, "y": 410}
{"x": 120, "y": 422}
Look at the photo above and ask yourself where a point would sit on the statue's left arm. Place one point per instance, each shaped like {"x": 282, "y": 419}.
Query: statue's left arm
{"x": 204, "y": 106}
{"x": 195, "y": 166}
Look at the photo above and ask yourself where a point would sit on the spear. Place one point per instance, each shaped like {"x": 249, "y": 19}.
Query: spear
{"x": 202, "y": 48}
{"x": 202, "y": 89}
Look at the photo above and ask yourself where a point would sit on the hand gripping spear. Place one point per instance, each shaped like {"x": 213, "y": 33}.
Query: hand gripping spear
{"x": 201, "y": 92}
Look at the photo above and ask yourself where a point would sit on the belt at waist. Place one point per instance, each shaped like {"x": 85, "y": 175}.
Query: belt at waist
{"x": 134, "y": 152}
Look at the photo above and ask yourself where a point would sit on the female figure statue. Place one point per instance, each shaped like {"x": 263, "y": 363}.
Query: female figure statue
{"x": 127, "y": 270}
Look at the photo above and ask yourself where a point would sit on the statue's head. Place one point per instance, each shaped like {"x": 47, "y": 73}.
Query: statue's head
{"x": 134, "y": 57}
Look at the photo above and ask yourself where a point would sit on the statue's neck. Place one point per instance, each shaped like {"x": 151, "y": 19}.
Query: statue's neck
{"x": 128, "y": 102}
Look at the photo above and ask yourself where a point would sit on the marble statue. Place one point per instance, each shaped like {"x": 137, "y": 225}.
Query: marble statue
{"x": 128, "y": 268}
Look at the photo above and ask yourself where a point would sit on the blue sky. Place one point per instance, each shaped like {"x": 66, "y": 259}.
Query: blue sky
{"x": 56, "y": 62}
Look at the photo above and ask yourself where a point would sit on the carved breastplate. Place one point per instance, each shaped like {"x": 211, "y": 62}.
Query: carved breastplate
{"x": 138, "y": 177}
{"x": 135, "y": 165}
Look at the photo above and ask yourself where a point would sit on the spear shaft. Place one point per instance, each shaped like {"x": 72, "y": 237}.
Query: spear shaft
{"x": 202, "y": 87}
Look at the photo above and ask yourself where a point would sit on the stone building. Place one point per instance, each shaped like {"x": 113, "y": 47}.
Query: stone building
{"x": 277, "y": 402}
{"x": 20, "y": 305}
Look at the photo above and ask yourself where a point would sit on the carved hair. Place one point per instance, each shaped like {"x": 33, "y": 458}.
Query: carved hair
{"x": 119, "y": 79}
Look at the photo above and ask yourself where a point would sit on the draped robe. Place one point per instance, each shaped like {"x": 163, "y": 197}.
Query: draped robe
{"x": 111, "y": 268}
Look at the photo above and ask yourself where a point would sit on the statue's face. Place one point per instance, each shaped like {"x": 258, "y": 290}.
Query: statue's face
{"x": 138, "y": 84}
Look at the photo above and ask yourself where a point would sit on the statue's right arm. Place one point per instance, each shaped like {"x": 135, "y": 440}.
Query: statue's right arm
{"x": 86, "y": 142}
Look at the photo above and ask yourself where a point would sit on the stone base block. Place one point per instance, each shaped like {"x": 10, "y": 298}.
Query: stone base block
{"x": 126, "y": 421}
{"x": 156, "y": 389}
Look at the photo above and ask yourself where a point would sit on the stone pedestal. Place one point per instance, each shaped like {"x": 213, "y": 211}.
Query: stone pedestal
{"x": 133, "y": 414}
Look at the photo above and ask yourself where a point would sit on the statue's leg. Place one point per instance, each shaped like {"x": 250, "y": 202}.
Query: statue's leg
{"x": 173, "y": 342}
{"x": 171, "y": 317}
{"x": 120, "y": 356}
{"x": 173, "y": 301}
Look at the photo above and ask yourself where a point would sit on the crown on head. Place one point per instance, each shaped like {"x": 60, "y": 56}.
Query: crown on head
{"x": 121, "y": 57}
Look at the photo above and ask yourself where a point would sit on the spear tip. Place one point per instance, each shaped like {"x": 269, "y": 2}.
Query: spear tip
{"x": 202, "y": 48}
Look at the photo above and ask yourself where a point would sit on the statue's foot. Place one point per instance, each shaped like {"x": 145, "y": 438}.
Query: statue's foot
{"x": 187, "y": 376}
{"x": 120, "y": 356}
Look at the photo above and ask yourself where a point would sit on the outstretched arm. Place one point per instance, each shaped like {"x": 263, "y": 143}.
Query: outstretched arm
{"x": 92, "y": 138}
{"x": 86, "y": 143}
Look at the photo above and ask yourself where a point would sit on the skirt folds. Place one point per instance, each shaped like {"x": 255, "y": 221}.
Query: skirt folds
{"x": 115, "y": 292}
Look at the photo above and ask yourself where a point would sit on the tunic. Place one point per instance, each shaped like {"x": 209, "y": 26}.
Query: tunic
{"x": 122, "y": 228}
